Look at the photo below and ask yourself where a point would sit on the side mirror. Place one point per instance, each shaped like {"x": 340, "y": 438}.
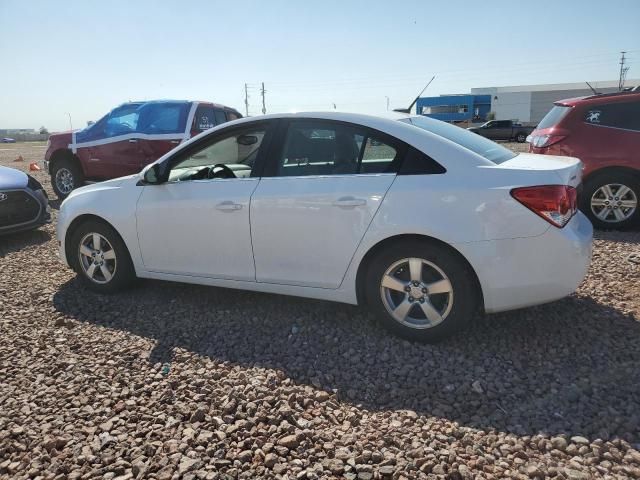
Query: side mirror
{"x": 152, "y": 175}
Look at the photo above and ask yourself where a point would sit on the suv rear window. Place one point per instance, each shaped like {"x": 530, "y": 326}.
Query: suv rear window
{"x": 482, "y": 146}
{"x": 551, "y": 119}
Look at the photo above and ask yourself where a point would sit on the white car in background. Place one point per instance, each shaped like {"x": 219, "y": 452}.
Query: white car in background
{"x": 424, "y": 222}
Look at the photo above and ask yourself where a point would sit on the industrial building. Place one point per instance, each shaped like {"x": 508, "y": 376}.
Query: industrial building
{"x": 524, "y": 103}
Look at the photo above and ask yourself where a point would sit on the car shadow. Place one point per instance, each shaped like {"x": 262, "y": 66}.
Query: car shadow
{"x": 567, "y": 367}
{"x": 14, "y": 242}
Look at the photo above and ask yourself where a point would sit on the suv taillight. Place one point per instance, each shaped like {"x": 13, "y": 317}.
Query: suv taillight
{"x": 542, "y": 141}
{"x": 555, "y": 203}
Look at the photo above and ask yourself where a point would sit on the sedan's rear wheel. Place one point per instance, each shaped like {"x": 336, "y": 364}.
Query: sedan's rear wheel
{"x": 101, "y": 258}
{"x": 421, "y": 290}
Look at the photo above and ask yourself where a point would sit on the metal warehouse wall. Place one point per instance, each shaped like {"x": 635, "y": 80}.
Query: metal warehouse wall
{"x": 541, "y": 102}
{"x": 512, "y": 106}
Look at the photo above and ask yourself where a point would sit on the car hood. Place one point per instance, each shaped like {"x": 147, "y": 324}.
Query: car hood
{"x": 61, "y": 136}
{"x": 12, "y": 178}
{"x": 106, "y": 185}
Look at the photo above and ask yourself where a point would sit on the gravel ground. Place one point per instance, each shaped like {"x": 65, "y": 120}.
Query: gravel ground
{"x": 178, "y": 381}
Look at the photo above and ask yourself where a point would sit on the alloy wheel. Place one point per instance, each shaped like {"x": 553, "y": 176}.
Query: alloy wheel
{"x": 64, "y": 180}
{"x": 614, "y": 203}
{"x": 97, "y": 258}
{"x": 416, "y": 293}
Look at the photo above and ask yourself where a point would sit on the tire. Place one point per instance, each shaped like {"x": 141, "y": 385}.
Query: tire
{"x": 112, "y": 255}
{"x": 66, "y": 175}
{"x": 604, "y": 207}
{"x": 521, "y": 137}
{"x": 437, "y": 263}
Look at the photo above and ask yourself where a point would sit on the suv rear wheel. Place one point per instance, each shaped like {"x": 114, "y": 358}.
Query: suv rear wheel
{"x": 66, "y": 175}
{"x": 610, "y": 200}
{"x": 521, "y": 137}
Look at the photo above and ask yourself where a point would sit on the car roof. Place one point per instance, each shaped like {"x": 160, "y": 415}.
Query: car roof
{"x": 143, "y": 102}
{"x": 615, "y": 96}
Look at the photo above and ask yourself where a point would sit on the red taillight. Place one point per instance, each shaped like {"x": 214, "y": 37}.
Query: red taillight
{"x": 543, "y": 141}
{"x": 555, "y": 203}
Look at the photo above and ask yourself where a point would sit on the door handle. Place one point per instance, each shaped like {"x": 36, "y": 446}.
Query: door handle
{"x": 133, "y": 140}
{"x": 349, "y": 202}
{"x": 228, "y": 206}
{"x": 175, "y": 142}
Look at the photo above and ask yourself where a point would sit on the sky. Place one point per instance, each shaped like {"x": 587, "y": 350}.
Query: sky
{"x": 83, "y": 58}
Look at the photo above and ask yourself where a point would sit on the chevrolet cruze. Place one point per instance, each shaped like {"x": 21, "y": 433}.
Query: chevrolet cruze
{"x": 423, "y": 222}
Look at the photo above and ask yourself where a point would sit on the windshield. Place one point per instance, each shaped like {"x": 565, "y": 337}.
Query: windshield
{"x": 551, "y": 119}
{"x": 486, "y": 148}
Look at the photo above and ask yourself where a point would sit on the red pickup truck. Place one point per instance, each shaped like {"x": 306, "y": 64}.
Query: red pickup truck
{"x": 126, "y": 139}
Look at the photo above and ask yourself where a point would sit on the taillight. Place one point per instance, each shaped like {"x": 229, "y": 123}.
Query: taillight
{"x": 555, "y": 203}
{"x": 541, "y": 141}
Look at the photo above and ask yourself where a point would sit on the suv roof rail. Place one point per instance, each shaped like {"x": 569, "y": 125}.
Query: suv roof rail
{"x": 614, "y": 94}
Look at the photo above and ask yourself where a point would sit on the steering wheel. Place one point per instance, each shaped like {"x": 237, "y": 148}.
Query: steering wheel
{"x": 220, "y": 170}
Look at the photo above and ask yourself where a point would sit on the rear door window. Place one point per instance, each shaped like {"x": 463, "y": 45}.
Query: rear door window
{"x": 162, "y": 118}
{"x": 624, "y": 115}
{"x": 321, "y": 147}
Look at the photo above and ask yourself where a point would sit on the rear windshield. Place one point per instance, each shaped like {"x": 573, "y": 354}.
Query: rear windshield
{"x": 482, "y": 146}
{"x": 554, "y": 116}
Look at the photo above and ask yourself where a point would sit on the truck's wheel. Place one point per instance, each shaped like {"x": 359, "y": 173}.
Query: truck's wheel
{"x": 521, "y": 137}
{"x": 66, "y": 175}
{"x": 612, "y": 200}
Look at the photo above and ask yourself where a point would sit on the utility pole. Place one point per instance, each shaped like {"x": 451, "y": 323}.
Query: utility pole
{"x": 623, "y": 72}
{"x": 387, "y": 101}
{"x": 246, "y": 100}
{"x": 262, "y": 92}
{"x": 70, "y": 124}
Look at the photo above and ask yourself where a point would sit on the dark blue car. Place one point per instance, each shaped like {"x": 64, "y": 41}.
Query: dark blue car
{"x": 23, "y": 202}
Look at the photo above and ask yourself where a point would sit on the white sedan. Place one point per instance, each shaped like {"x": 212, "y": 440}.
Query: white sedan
{"x": 424, "y": 222}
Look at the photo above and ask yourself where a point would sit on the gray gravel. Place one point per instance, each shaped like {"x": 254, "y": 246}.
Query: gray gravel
{"x": 179, "y": 381}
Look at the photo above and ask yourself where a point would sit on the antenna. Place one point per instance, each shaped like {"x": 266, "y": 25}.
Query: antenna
{"x": 592, "y": 89}
{"x": 408, "y": 110}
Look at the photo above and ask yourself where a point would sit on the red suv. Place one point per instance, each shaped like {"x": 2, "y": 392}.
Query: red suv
{"x": 604, "y": 132}
{"x": 126, "y": 139}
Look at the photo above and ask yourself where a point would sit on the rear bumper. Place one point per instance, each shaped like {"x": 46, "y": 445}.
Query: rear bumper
{"x": 522, "y": 272}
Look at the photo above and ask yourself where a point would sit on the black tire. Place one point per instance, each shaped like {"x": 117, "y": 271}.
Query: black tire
{"x": 613, "y": 178}
{"x": 70, "y": 167}
{"x": 123, "y": 274}
{"x": 465, "y": 297}
{"x": 521, "y": 137}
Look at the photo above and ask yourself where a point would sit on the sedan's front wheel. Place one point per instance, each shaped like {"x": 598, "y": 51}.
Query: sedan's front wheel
{"x": 422, "y": 291}
{"x": 101, "y": 258}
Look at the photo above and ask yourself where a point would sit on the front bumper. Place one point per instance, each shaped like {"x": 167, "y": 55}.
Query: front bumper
{"x": 41, "y": 218}
{"x": 522, "y": 272}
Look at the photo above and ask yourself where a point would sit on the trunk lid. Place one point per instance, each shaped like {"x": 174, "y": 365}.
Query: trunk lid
{"x": 554, "y": 169}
